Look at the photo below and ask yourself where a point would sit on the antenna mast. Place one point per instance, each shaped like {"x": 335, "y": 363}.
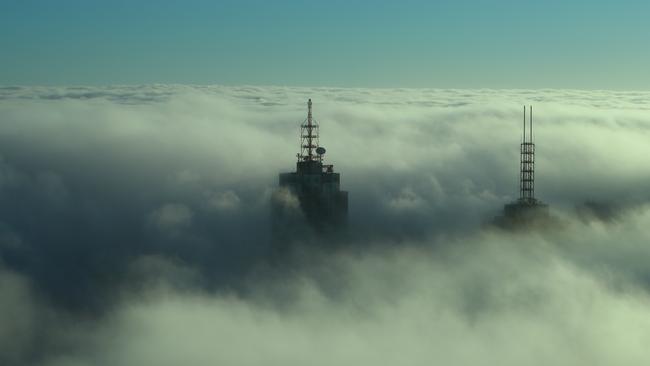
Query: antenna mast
{"x": 527, "y": 164}
{"x": 524, "y": 124}
{"x": 531, "y": 123}
{"x": 308, "y": 137}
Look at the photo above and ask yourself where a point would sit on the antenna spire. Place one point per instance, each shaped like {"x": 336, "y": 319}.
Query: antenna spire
{"x": 524, "y": 124}
{"x": 309, "y": 111}
{"x": 308, "y": 136}
{"x": 527, "y": 164}
{"x": 531, "y": 123}
{"x": 310, "y": 128}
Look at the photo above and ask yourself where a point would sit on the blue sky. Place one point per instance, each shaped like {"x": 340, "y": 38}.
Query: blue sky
{"x": 409, "y": 43}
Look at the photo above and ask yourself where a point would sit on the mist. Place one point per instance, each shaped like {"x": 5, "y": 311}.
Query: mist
{"x": 134, "y": 228}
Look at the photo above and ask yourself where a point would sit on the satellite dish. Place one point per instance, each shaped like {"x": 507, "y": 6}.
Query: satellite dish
{"x": 320, "y": 150}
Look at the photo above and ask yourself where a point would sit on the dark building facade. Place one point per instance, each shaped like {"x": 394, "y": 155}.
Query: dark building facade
{"x": 318, "y": 189}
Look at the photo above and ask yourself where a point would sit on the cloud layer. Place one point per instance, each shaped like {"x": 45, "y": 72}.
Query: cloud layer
{"x": 134, "y": 228}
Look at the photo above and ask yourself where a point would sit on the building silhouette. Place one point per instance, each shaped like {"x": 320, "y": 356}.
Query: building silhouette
{"x": 309, "y": 200}
{"x": 527, "y": 209}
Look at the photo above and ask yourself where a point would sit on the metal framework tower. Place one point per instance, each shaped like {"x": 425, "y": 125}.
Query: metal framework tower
{"x": 309, "y": 138}
{"x": 527, "y": 164}
{"x": 527, "y": 210}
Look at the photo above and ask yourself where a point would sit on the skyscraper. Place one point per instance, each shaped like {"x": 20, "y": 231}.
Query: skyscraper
{"x": 314, "y": 189}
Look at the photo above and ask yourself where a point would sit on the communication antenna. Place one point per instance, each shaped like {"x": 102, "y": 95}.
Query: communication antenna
{"x": 524, "y": 124}
{"x": 309, "y": 137}
{"x": 527, "y": 164}
{"x": 531, "y": 123}
{"x": 320, "y": 151}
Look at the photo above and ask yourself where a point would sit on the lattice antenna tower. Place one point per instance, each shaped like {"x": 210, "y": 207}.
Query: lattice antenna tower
{"x": 309, "y": 138}
{"x": 527, "y": 163}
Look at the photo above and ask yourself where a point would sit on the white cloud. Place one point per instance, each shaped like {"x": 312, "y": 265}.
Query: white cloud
{"x": 490, "y": 299}
{"x": 172, "y": 217}
{"x": 223, "y": 201}
{"x": 19, "y": 315}
{"x": 424, "y": 168}
{"x": 406, "y": 200}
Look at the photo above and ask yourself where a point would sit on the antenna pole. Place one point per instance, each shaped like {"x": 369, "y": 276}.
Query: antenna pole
{"x": 524, "y": 124}
{"x": 310, "y": 127}
{"x": 527, "y": 162}
{"x": 531, "y": 123}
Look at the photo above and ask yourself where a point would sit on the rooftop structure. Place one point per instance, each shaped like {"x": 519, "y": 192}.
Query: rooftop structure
{"x": 527, "y": 209}
{"x": 315, "y": 186}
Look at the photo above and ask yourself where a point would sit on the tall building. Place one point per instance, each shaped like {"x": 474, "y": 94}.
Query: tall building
{"x": 527, "y": 209}
{"x": 314, "y": 189}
